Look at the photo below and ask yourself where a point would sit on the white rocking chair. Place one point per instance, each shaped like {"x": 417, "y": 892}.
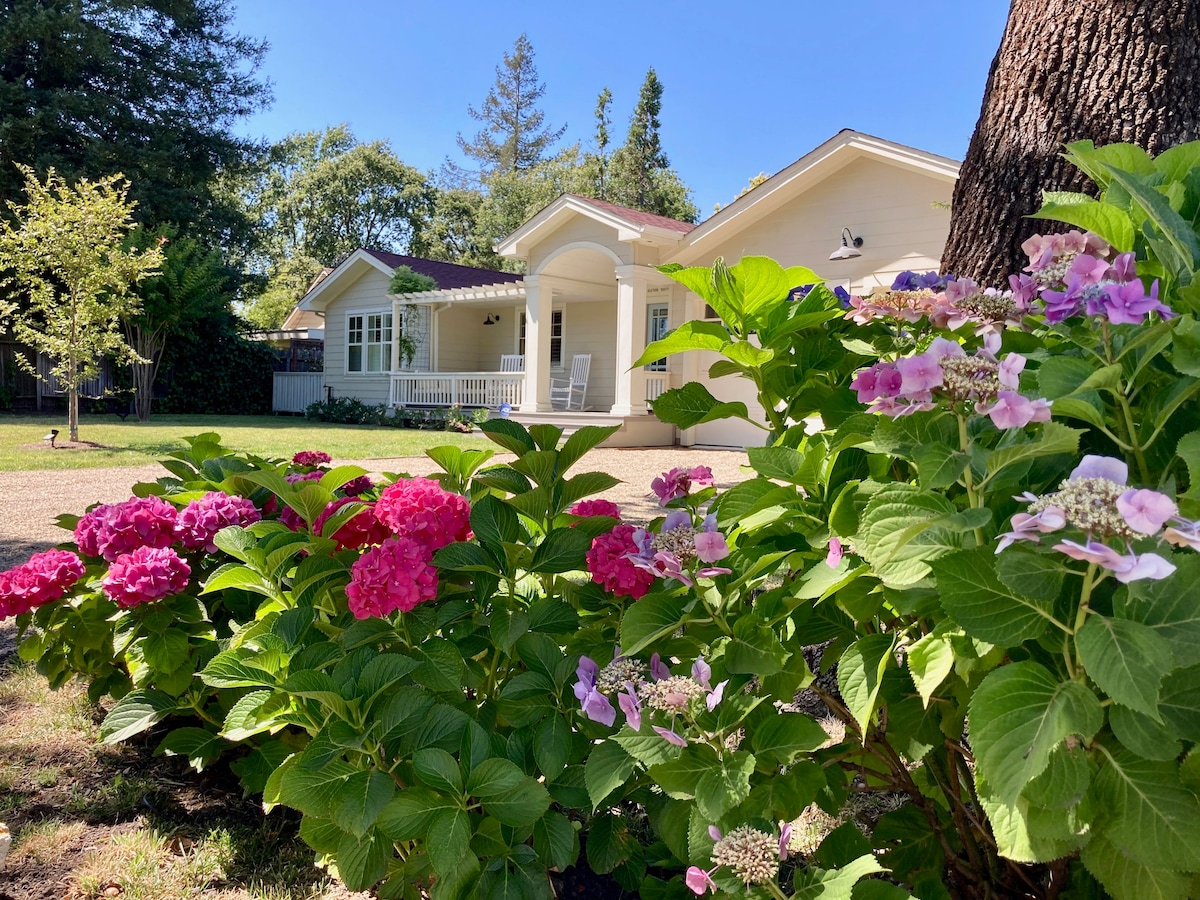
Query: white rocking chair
{"x": 512, "y": 362}
{"x": 564, "y": 390}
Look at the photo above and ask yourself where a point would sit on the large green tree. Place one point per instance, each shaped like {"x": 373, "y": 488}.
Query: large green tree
{"x": 150, "y": 88}
{"x": 319, "y": 196}
{"x": 65, "y": 255}
{"x": 514, "y": 136}
{"x": 639, "y": 174}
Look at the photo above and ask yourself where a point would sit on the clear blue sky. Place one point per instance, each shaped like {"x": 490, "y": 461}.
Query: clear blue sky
{"x": 749, "y": 87}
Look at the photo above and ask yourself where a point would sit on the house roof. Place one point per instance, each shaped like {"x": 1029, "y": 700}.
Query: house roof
{"x": 637, "y": 216}
{"x": 446, "y": 275}
{"x": 810, "y": 169}
{"x": 630, "y": 224}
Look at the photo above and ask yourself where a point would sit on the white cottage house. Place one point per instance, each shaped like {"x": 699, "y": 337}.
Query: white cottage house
{"x": 592, "y": 292}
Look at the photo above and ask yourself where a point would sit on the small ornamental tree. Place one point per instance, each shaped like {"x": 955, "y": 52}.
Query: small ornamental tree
{"x": 65, "y": 255}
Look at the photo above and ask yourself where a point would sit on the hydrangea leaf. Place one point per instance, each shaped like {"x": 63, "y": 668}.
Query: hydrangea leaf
{"x": 973, "y": 595}
{"x": 654, "y": 616}
{"x": 931, "y": 660}
{"x": 1179, "y": 702}
{"x": 1127, "y": 879}
{"x": 360, "y": 800}
{"x": 1126, "y": 659}
{"x": 902, "y": 530}
{"x": 362, "y": 859}
{"x": 1019, "y": 714}
{"x": 1141, "y": 734}
{"x": 694, "y": 404}
{"x": 811, "y": 884}
{"x": 725, "y": 785}
{"x": 860, "y": 675}
{"x": 1152, "y": 817}
{"x": 1029, "y": 834}
{"x": 606, "y": 769}
{"x": 1168, "y": 606}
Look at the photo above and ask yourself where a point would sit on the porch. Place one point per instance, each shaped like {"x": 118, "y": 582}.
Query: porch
{"x": 481, "y": 389}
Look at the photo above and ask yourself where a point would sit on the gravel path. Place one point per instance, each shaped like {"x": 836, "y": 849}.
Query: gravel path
{"x": 30, "y": 501}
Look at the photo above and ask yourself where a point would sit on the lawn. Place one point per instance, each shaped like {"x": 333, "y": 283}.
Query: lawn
{"x": 133, "y": 443}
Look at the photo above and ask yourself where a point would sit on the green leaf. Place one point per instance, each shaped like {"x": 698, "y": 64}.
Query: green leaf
{"x": 410, "y": 813}
{"x": 494, "y": 521}
{"x": 134, "y": 713}
{"x": 562, "y": 550}
{"x": 608, "y": 766}
{"x": 521, "y": 805}
{"x": 585, "y": 484}
{"x": 1152, "y": 817}
{"x": 1082, "y": 211}
{"x": 983, "y": 605}
{"x": 243, "y": 720}
{"x": 754, "y": 649}
{"x": 725, "y": 785}
{"x": 165, "y": 650}
{"x": 1168, "y": 606}
{"x": 1142, "y": 735}
{"x": 360, "y": 800}
{"x": 763, "y": 283}
{"x": 778, "y": 740}
{"x": 694, "y": 335}
{"x": 931, "y": 660}
{"x": 860, "y": 675}
{"x": 1126, "y": 659}
{"x": 494, "y": 777}
{"x": 649, "y": 619}
{"x": 312, "y": 791}
{"x": 1179, "y": 234}
{"x": 646, "y": 746}
{"x": 198, "y": 745}
{"x": 362, "y": 859}
{"x": 1053, "y": 439}
{"x": 1031, "y": 574}
{"x": 438, "y": 769}
{"x": 938, "y": 465}
{"x": 899, "y": 533}
{"x": 464, "y": 557}
{"x": 693, "y": 404}
{"x": 781, "y": 463}
{"x": 583, "y": 439}
{"x": 554, "y": 840}
{"x": 1179, "y": 702}
{"x": 1019, "y": 714}
{"x": 1127, "y": 879}
{"x": 508, "y": 434}
{"x": 449, "y": 839}
{"x": 552, "y": 745}
{"x": 234, "y": 575}
{"x": 836, "y": 884}
{"x": 1028, "y": 834}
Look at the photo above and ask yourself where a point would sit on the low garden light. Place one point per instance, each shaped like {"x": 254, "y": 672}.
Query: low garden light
{"x": 51, "y": 437}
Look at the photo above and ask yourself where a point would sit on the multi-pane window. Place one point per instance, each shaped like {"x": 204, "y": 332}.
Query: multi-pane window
{"x": 556, "y": 338}
{"x": 369, "y": 342}
{"x": 656, "y": 330}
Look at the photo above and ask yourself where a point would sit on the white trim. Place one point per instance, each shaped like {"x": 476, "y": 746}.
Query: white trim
{"x": 364, "y": 314}
{"x": 316, "y": 300}
{"x": 580, "y": 245}
{"x": 518, "y": 243}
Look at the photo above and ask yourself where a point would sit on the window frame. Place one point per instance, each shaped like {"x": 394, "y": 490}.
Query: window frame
{"x": 555, "y": 313}
{"x": 658, "y": 365}
{"x": 384, "y": 328}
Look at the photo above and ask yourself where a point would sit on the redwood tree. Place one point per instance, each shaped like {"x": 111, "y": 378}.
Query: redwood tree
{"x": 1108, "y": 71}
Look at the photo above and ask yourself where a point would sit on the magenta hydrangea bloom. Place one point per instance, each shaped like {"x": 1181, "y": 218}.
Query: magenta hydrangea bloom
{"x": 679, "y": 482}
{"x": 589, "y": 508}
{"x": 423, "y": 510}
{"x": 609, "y": 563}
{"x": 396, "y": 575}
{"x": 311, "y": 458}
{"x": 43, "y": 578}
{"x": 356, "y": 486}
{"x": 146, "y": 574}
{"x": 362, "y": 530}
{"x": 197, "y": 523}
{"x": 115, "y": 529}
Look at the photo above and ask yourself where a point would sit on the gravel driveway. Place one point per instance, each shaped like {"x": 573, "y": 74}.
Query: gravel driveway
{"x": 30, "y": 501}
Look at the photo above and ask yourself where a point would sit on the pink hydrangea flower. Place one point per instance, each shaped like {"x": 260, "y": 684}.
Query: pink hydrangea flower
{"x": 356, "y": 486}
{"x": 423, "y": 510}
{"x": 679, "y": 482}
{"x": 43, "y": 578}
{"x": 297, "y": 477}
{"x": 197, "y": 523}
{"x": 589, "y": 508}
{"x": 396, "y": 575}
{"x": 711, "y": 546}
{"x": 362, "y": 529}
{"x": 1013, "y": 410}
{"x": 699, "y": 882}
{"x": 919, "y": 373}
{"x": 608, "y": 562}
{"x": 115, "y": 529}
{"x": 144, "y": 575}
{"x": 1146, "y": 511}
{"x": 311, "y": 458}
{"x": 833, "y": 558}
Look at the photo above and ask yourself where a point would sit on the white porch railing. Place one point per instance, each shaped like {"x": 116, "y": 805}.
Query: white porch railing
{"x": 466, "y": 388}
{"x": 294, "y": 391}
{"x": 655, "y": 385}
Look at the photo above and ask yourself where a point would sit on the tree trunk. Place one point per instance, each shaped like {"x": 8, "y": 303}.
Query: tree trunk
{"x": 73, "y": 401}
{"x": 1109, "y": 71}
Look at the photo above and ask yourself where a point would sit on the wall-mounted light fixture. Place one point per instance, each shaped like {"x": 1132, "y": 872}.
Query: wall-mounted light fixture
{"x": 491, "y": 321}
{"x": 849, "y": 248}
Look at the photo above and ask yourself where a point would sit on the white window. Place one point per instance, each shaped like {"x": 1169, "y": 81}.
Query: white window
{"x": 656, "y": 330}
{"x": 369, "y": 342}
{"x": 556, "y": 338}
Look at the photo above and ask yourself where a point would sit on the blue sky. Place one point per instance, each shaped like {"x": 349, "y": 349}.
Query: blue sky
{"x": 748, "y": 87}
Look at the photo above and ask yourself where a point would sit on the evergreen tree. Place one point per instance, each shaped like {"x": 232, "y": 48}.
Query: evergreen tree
{"x": 515, "y": 136}
{"x": 147, "y": 88}
{"x": 598, "y": 162}
{"x": 639, "y": 174}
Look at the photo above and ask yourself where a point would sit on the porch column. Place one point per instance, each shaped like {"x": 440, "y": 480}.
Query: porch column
{"x": 631, "y": 341}
{"x": 538, "y": 302}
{"x": 397, "y": 320}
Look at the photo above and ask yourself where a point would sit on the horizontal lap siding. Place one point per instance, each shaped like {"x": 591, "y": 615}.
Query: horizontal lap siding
{"x": 591, "y": 327}
{"x": 367, "y": 294}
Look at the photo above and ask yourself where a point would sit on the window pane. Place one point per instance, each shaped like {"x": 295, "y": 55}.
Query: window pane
{"x": 354, "y": 358}
{"x": 521, "y": 336}
{"x": 375, "y": 357}
{"x": 556, "y": 339}
{"x": 656, "y": 330}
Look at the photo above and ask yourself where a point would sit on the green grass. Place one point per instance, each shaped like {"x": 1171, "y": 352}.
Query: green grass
{"x": 133, "y": 443}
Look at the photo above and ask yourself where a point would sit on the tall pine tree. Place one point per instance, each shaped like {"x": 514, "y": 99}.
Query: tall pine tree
{"x": 515, "y": 136}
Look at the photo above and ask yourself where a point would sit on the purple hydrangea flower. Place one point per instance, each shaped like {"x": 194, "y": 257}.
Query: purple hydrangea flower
{"x": 1146, "y": 511}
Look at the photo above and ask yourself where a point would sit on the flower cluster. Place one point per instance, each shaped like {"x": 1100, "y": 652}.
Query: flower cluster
{"x": 362, "y": 530}
{"x": 589, "y": 508}
{"x": 1097, "y": 502}
{"x": 679, "y": 482}
{"x": 396, "y": 575}
{"x": 944, "y": 371}
{"x": 661, "y": 692}
{"x": 752, "y": 855}
{"x": 311, "y": 458}
{"x": 197, "y": 523}
{"x": 1075, "y": 277}
{"x": 43, "y": 578}
{"x": 118, "y": 528}
{"x": 356, "y": 487}
{"x": 423, "y": 510}
{"x": 678, "y": 546}
{"x": 609, "y": 562}
{"x": 144, "y": 575}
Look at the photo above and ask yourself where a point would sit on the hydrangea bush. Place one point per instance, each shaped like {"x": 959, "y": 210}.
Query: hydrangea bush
{"x": 951, "y": 615}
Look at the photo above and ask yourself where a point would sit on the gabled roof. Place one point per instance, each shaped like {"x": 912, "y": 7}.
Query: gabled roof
{"x": 450, "y": 277}
{"x": 630, "y": 224}
{"x": 812, "y": 168}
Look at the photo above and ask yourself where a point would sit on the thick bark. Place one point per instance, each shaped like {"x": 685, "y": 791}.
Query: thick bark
{"x": 1109, "y": 71}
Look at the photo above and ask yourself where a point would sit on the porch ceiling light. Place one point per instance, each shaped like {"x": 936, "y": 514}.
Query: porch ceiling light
{"x": 849, "y": 248}
{"x": 490, "y": 321}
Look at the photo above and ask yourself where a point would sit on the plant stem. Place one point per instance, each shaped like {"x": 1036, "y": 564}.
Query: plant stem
{"x": 975, "y": 499}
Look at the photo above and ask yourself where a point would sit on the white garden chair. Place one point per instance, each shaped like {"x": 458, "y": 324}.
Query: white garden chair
{"x": 512, "y": 362}
{"x": 564, "y": 390}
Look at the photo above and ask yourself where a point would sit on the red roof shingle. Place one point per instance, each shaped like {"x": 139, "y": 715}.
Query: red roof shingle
{"x": 446, "y": 275}
{"x": 637, "y": 216}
